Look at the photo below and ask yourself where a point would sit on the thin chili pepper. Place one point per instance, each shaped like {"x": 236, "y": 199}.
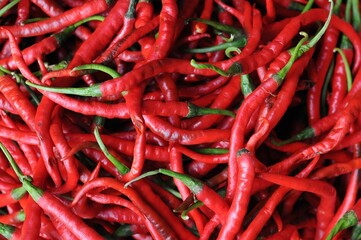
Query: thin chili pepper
{"x": 18, "y": 101}
{"x": 241, "y": 199}
{"x": 249, "y": 106}
{"x": 265, "y": 213}
{"x": 120, "y": 215}
{"x": 52, "y": 9}
{"x": 52, "y": 206}
{"x": 162, "y": 128}
{"x": 144, "y": 11}
{"x": 45, "y": 46}
{"x": 106, "y": 29}
{"x": 169, "y": 89}
{"x": 128, "y": 41}
{"x": 123, "y": 146}
{"x": 223, "y": 101}
{"x": 56, "y": 23}
{"x": 63, "y": 148}
{"x": 349, "y": 200}
{"x": 167, "y": 21}
{"x": 326, "y": 192}
{"x": 151, "y": 197}
{"x": 203, "y": 193}
{"x": 286, "y": 93}
{"x": 323, "y": 61}
{"x": 128, "y": 24}
{"x": 157, "y": 227}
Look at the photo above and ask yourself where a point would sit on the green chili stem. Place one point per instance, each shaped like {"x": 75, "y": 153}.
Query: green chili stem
{"x": 218, "y": 26}
{"x": 234, "y": 69}
{"x": 12, "y": 162}
{"x": 144, "y": 175}
{"x": 235, "y": 44}
{"x": 193, "y": 184}
{"x": 349, "y": 219}
{"x": 231, "y": 50}
{"x": 347, "y": 68}
{"x": 118, "y": 165}
{"x": 246, "y": 85}
{"x": 356, "y": 232}
{"x": 304, "y": 134}
{"x": 111, "y": 72}
{"x": 348, "y": 7}
{"x": 123, "y": 231}
{"x": 356, "y": 18}
{"x": 8, "y": 7}
{"x": 295, "y": 54}
{"x": 212, "y": 150}
{"x": 32, "y": 20}
{"x": 318, "y": 36}
{"x": 18, "y": 193}
{"x": 92, "y": 91}
{"x": 92, "y": 18}
{"x": 7, "y": 231}
{"x": 199, "y": 111}
{"x": 325, "y": 87}
{"x": 308, "y": 6}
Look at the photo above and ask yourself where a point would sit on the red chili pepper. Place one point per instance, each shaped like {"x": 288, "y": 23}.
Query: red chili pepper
{"x": 167, "y": 21}
{"x": 53, "y": 207}
{"x": 72, "y": 175}
{"x": 156, "y": 225}
{"x": 323, "y": 62}
{"x": 58, "y": 22}
{"x": 242, "y": 196}
{"x": 265, "y": 213}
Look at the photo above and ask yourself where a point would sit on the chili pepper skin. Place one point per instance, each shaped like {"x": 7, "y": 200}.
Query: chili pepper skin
{"x": 163, "y": 129}
{"x": 237, "y": 210}
{"x": 323, "y": 61}
{"x": 58, "y": 22}
{"x": 265, "y": 213}
{"x": 18, "y": 101}
{"x": 158, "y": 227}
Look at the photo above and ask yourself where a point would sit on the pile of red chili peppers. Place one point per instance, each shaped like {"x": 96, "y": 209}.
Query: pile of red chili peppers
{"x": 188, "y": 119}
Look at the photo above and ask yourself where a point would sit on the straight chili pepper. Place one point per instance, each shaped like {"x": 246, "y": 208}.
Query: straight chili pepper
{"x": 242, "y": 196}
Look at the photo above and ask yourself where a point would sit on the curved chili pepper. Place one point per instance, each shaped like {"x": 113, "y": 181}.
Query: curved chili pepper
{"x": 349, "y": 219}
{"x": 58, "y": 22}
{"x": 210, "y": 198}
{"x": 63, "y": 149}
{"x": 265, "y": 213}
{"x": 157, "y": 226}
{"x": 52, "y": 206}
